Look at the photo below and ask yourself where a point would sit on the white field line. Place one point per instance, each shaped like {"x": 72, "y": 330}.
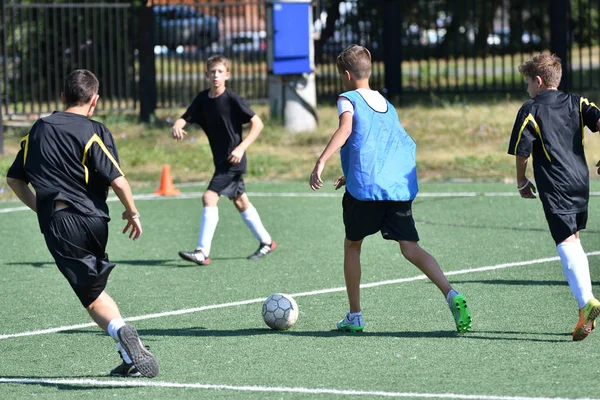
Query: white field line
{"x": 196, "y": 195}
{"x": 269, "y": 389}
{"x": 300, "y": 294}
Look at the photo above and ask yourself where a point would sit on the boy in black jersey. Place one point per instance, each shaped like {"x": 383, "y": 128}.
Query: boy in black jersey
{"x": 550, "y": 128}
{"x": 221, "y": 114}
{"x": 70, "y": 161}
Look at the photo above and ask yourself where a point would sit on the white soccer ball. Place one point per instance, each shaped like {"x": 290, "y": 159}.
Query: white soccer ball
{"x": 280, "y": 311}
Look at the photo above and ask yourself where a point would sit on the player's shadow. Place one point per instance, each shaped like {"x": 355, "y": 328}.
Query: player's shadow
{"x": 229, "y": 258}
{"x": 42, "y": 381}
{"x": 143, "y": 263}
{"x": 151, "y": 335}
{"x": 137, "y": 263}
{"x": 480, "y": 335}
{"x": 183, "y": 263}
{"x": 35, "y": 264}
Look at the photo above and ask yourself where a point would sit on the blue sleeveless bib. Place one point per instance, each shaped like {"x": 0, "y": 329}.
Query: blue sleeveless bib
{"x": 379, "y": 157}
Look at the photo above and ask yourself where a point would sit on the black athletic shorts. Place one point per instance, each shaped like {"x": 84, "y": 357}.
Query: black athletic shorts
{"x": 78, "y": 245}
{"x": 564, "y": 225}
{"x": 392, "y": 218}
{"x": 230, "y": 184}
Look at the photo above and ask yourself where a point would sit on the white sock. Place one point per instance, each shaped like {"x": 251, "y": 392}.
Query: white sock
{"x": 577, "y": 270}
{"x": 208, "y": 226}
{"x": 124, "y": 354}
{"x": 252, "y": 220}
{"x": 114, "y": 326}
{"x": 450, "y": 295}
{"x": 352, "y": 315}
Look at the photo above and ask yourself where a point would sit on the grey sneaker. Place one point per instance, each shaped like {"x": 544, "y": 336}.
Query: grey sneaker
{"x": 144, "y": 361}
{"x": 356, "y": 324}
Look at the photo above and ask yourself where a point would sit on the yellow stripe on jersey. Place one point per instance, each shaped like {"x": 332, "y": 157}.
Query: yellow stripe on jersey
{"x": 26, "y": 149}
{"x": 96, "y": 139}
{"x": 537, "y": 130}
{"x": 583, "y": 100}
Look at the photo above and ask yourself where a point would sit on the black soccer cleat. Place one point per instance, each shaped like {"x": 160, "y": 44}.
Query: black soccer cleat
{"x": 263, "y": 250}
{"x": 196, "y": 256}
{"x": 143, "y": 361}
{"x": 126, "y": 371}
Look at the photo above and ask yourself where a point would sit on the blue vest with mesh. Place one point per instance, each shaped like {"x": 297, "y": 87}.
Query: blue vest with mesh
{"x": 379, "y": 157}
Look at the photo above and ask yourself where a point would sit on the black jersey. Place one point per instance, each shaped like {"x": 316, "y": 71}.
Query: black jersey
{"x": 70, "y": 158}
{"x": 550, "y": 128}
{"x": 221, "y": 118}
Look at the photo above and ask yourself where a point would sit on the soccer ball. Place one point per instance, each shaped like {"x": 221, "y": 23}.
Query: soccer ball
{"x": 280, "y": 311}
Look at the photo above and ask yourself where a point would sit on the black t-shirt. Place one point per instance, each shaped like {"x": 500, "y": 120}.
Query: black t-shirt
{"x": 550, "y": 128}
{"x": 221, "y": 118}
{"x": 70, "y": 158}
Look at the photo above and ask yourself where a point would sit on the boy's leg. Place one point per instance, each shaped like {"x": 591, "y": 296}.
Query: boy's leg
{"x": 426, "y": 263}
{"x": 353, "y": 321}
{"x": 137, "y": 360}
{"x": 352, "y": 273}
{"x": 208, "y": 226}
{"x": 252, "y": 220}
{"x": 576, "y": 269}
{"x": 564, "y": 229}
{"x": 103, "y": 310}
{"x": 78, "y": 245}
{"x": 430, "y": 267}
{"x": 361, "y": 219}
{"x": 210, "y": 218}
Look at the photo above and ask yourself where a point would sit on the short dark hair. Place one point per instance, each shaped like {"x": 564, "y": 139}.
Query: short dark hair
{"x": 81, "y": 85}
{"x": 546, "y": 66}
{"x": 217, "y": 59}
{"x": 356, "y": 59}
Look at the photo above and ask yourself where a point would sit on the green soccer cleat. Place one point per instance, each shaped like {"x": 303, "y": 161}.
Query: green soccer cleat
{"x": 460, "y": 311}
{"x": 356, "y": 324}
{"x": 587, "y": 319}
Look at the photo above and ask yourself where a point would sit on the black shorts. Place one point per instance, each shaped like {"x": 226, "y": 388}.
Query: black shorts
{"x": 393, "y": 218}
{"x": 564, "y": 225}
{"x": 230, "y": 184}
{"x": 78, "y": 245}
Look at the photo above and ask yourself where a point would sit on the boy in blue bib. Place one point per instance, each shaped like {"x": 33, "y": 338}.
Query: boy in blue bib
{"x": 379, "y": 165}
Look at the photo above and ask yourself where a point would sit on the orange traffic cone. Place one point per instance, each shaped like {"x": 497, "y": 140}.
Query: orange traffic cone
{"x": 166, "y": 183}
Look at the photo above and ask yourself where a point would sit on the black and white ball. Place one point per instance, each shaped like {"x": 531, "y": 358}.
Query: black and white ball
{"x": 280, "y": 311}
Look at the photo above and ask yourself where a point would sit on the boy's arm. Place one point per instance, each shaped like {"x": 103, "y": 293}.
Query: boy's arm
{"x": 598, "y": 163}
{"x": 255, "y": 128}
{"x": 338, "y": 139}
{"x": 23, "y": 192}
{"x": 177, "y": 131}
{"x": 123, "y": 191}
{"x": 526, "y": 188}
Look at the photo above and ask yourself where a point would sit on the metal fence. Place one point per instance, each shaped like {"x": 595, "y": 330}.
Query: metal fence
{"x": 462, "y": 46}
{"x": 42, "y": 43}
{"x": 186, "y": 34}
{"x": 149, "y": 54}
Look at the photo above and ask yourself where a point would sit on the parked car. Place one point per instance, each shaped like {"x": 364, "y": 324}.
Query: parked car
{"x": 249, "y": 43}
{"x": 178, "y": 25}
